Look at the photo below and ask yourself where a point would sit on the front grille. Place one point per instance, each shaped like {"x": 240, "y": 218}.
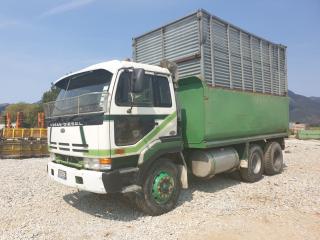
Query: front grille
{"x": 63, "y": 144}
{"x": 69, "y": 160}
{"x": 75, "y": 147}
{"x": 81, "y": 150}
{"x": 64, "y": 149}
{"x": 79, "y": 145}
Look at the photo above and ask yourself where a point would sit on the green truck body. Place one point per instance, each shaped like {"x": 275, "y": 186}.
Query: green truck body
{"x": 308, "y": 134}
{"x": 214, "y": 117}
{"x": 217, "y": 103}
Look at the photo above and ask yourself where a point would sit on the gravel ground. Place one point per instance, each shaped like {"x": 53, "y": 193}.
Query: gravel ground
{"x": 285, "y": 206}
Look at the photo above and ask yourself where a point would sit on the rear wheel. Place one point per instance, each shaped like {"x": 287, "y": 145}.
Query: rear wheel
{"x": 161, "y": 188}
{"x": 273, "y": 159}
{"x": 255, "y": 165}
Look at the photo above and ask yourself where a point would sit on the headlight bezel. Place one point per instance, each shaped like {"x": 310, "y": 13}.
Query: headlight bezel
{"x": 96, "y": 163}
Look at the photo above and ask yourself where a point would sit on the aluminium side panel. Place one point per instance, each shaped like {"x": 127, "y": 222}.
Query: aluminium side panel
{"x": 222, "y": 54}
{"x": 244, "y": 61}
{"x": 148, "y": 48}
{"x": 235, "y": 58}
{"x": 178, "y": 41}
{"x": 266, "y": 67}
{"x": 207, "y": 58}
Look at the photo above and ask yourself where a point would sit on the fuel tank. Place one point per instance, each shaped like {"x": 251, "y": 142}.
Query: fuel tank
{"x": 207, "y": 163}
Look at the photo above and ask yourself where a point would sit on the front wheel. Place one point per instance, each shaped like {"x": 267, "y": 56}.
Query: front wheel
{"x": 161, "y": 188}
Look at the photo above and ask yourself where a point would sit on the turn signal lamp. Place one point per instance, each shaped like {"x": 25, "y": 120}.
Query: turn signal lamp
{"x": 105, "y": 160}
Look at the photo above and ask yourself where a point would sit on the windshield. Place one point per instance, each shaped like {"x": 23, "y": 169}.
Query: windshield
{"x": 84, "y": 83}
{"x": 80, "y": 93}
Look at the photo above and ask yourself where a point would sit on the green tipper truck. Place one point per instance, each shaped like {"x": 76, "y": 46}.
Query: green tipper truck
{"x": 201, "y": 97}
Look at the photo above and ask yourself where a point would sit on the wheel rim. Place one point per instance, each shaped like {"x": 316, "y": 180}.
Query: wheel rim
{"x": 277, "y": 160}
{"x": 163, "y": 186}
{"x": 256, "y": 163}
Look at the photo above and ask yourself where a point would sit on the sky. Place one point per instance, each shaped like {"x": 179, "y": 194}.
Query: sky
{"x": 42, "y": 40}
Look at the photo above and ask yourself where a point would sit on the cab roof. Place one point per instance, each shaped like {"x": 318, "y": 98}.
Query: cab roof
{"x": 113, "y": 66}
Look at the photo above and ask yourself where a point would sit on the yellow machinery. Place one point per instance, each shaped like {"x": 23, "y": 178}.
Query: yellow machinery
{"x": 24, "y": 133}
{"x": 23, "y": 142}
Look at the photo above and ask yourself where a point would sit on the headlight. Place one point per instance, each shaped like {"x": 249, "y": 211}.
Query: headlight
{"x": 97, "y": 163}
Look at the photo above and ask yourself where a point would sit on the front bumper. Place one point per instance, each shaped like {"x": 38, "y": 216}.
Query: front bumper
{"x": 94, "y": 181}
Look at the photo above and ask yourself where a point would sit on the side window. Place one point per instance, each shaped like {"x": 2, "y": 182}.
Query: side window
{"x": 130, "y": 129}
{"x": 143, "y": 99}
{"x": 123, "y": 89}
{"x": 161, "y": 92}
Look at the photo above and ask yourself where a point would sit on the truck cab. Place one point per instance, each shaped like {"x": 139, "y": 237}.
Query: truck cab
{"x": 108, "y": 122}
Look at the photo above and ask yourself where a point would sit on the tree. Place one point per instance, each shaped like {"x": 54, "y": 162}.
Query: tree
{"x": 30, "y": 113}
{"x": 50, "y": 95}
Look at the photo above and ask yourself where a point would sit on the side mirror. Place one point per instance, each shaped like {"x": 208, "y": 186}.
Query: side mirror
{"x": 137, "y": 80}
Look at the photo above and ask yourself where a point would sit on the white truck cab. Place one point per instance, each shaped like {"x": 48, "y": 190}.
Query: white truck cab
{"x": 100, "y": 130}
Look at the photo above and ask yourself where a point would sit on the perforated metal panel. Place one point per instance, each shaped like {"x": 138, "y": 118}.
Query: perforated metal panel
{"x": 235, "y": 58}
{"x": 179, "y": 41}
{"x": 221, "y": 53}
{"x": 149, "y": 48}
{"x": 207, "y": 54}
{"x": 266, "y": 67}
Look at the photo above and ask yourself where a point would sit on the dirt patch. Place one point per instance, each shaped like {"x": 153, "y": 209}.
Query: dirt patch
{"x": 285, "y": 206}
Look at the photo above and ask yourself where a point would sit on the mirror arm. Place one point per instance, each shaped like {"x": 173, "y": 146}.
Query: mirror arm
{"x": 131, "y": 103}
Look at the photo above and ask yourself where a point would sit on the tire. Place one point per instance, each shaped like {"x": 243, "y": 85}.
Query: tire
{"x": 161, "y": 188}
{"x": 273, "y": 159}
{"x": 255, "y": 165}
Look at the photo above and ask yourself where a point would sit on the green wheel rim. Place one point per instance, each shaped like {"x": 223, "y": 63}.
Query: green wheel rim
{"x": 162, "y": 188}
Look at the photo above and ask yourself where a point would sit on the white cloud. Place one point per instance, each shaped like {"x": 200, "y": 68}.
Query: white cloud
{"x": 69, "y": 6}
{"x": 8, "y": 23}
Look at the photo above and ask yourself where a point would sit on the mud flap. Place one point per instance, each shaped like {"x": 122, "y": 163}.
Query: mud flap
{"x": 244, "y": 163}
{"x": 183, "y": 176}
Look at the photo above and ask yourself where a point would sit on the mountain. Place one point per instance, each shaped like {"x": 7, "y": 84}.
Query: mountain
{"x": 304, "y": 109}
{"x": 317, "y": 99}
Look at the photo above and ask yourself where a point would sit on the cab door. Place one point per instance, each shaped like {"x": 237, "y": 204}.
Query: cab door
{"x": 152, "y": 115}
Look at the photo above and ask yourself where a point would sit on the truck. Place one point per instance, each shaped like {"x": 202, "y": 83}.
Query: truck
{"x": 201, "y": 97}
